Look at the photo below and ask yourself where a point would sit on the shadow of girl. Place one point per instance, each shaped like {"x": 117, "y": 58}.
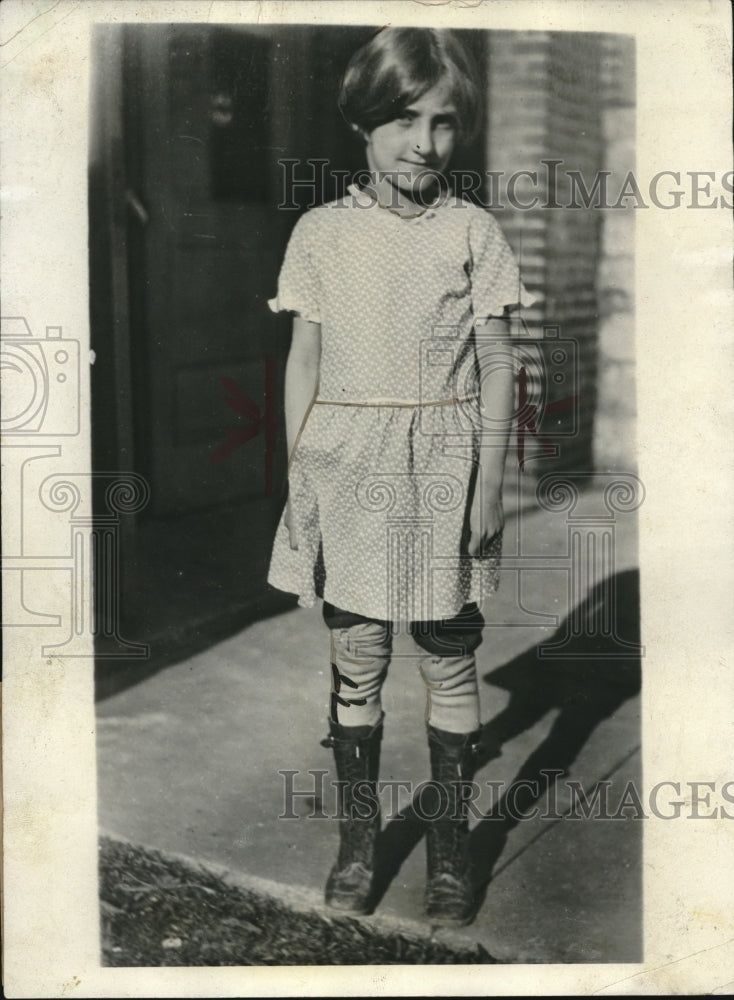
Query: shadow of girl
{"x": 593, "y": 670}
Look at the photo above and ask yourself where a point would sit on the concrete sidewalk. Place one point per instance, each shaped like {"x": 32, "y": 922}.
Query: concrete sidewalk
{"x": 189, "y": 759}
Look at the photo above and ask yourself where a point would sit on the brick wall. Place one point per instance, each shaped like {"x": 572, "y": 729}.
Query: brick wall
{"x": 614, "y": 436}
{"x": 566, "y": 97}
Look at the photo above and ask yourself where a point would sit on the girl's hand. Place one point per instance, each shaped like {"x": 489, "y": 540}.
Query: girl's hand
{"x": 486, "y": 520}
{"x": 290, "y": 525}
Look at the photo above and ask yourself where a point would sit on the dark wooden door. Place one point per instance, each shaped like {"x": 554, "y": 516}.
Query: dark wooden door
{"x": 206, "y": 110}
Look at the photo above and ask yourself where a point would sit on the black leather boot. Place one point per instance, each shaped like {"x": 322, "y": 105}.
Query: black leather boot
{"x": 450, "y": 895}
{"x": 357, "y": 757}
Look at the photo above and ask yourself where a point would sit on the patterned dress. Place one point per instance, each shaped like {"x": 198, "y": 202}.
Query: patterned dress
{"x": 384, "y": 470}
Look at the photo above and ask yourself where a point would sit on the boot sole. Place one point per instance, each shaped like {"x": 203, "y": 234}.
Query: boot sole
{"x": 349, "y": 911}
{"x": 451, "y": 921}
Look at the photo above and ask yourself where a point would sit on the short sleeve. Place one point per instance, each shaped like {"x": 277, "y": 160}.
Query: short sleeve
{"x": 495, "y": 276}
{"x": 299, "y": 286}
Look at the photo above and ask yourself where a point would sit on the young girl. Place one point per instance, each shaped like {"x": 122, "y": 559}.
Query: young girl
{"x": 398, "y": 403}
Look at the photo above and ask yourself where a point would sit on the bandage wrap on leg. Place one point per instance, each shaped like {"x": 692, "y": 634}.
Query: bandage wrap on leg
{"x": 360, "y": 656}
{"x": 452, "y": 692}
{"x": 449, "y": 670}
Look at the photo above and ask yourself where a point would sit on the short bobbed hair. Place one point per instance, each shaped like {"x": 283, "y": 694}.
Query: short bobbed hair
{"x": 397, "y": 66}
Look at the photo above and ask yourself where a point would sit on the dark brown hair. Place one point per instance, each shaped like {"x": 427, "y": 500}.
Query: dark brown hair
{"x": 398, "y": 66}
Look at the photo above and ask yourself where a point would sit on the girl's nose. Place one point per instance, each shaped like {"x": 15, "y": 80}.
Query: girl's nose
{"x": 423, "y": 141}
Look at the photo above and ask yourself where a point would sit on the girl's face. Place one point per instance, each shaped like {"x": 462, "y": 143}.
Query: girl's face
{"x": 421, "y": 140}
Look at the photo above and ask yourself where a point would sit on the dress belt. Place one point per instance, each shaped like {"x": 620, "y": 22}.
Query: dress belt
{"x": 398, "y": 403}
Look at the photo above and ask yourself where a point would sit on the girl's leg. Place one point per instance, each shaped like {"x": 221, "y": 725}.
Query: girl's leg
{"x": 360, "y": 655}
{"x": 449, "y": 670}
{"x": 452, "y": 718}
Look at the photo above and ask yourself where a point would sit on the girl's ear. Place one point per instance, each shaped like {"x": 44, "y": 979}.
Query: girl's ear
{"x": 360, "y": 132}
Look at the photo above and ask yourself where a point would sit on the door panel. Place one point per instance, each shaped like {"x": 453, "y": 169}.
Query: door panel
{"x": 211, "y": 256}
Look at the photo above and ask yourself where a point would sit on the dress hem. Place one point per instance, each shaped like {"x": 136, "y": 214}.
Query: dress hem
{"x": 306, "y": 601}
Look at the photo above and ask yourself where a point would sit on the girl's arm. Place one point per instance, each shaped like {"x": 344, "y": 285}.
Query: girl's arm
{"x": 301, "y": 385}
{"x": 497, "y": 401}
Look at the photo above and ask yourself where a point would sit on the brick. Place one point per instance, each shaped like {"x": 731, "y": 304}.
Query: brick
{"x": 617, "y": 339}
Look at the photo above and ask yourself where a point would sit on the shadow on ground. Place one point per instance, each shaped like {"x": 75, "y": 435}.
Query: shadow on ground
{"x": 174, "y": 642}
{"x": 586, "y": 670}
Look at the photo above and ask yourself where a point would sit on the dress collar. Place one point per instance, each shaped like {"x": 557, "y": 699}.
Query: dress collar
{"x": 364, "y": 199}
